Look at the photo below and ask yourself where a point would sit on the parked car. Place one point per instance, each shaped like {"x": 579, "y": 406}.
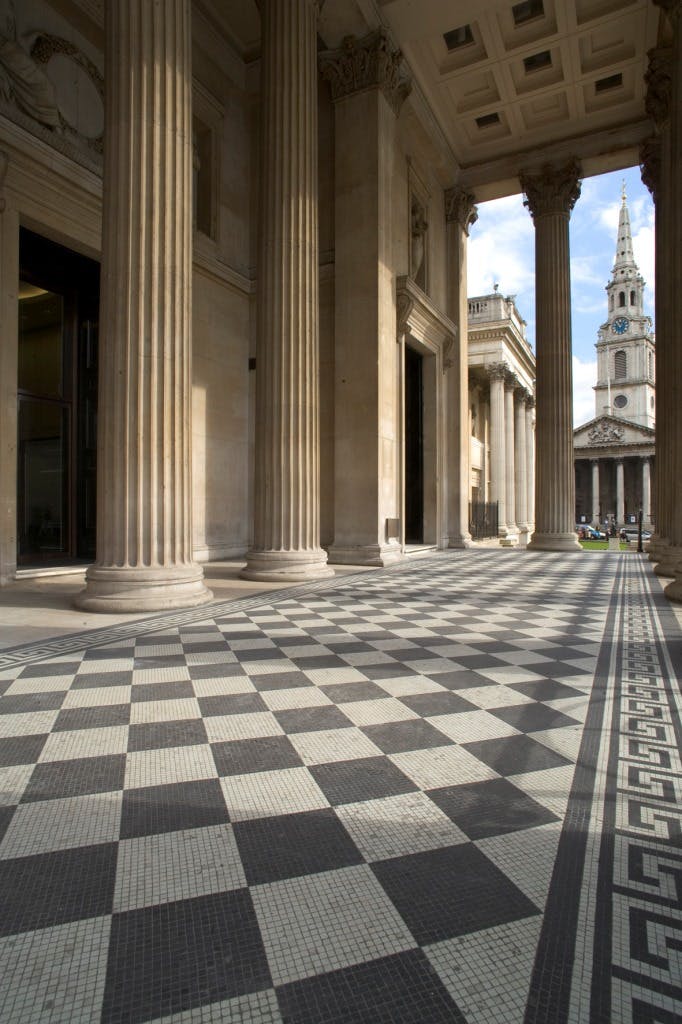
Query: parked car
{"x": 586, "y": 532}
{"x": 631, "y": 533}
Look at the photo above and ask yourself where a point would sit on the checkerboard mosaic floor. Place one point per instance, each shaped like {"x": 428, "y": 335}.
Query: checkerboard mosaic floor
{"x": 447, "y": 792}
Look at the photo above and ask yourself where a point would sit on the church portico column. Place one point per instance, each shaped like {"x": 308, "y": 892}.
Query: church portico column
{"x": 498, "y": 482}
{"x": 550, "y": 197}
{"x": 460, "y": 214}
{"x": 509, "y": 462}
{"x": 646, "y": 491}
{"x": 144, "y": 556}
{"x": 286, "y": 542}
{"x": 520, "y": 460}
{"x": 620, "y": 492}
{"x": 595, "y": 492}
{"x": 530, "y": 461}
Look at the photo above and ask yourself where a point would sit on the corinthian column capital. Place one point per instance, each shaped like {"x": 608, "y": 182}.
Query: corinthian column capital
{"x": 460, "y": 207}
{"x": 672, "y": 9}
{"x": 367, "y": 63}
{"x": 553, "y": 190}
{"x": 659, "y": 82}
{"x": 650, "y": 163}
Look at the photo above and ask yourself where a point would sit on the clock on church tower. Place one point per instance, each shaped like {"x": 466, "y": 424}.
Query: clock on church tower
{"x": 625, "y": 348}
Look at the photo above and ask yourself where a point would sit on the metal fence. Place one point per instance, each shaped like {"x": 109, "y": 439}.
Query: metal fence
{"x": 484, "y": 519}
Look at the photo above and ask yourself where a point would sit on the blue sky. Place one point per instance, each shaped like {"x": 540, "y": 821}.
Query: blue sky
{"x": 501, "y": 248}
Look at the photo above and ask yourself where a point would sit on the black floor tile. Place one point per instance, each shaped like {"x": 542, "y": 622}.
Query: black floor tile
{"x": 511, "y": 755}
{"x": 56, "y": 780}
{"x": 108, "y": 654}
{"x": 294, "y": 844}
{"x": 21, "y": 749}
{"x": 25, "y": 703}
{"x": 218, "y": 646}
{"x": 177, "y": 690}
{"x": 268, "y": 653}
{"x": 346, "y": 693}
{"x": 312, "y": 719}
{"x": 414, "y": 734}
{"x": 102, "y": 717}
{"x": 6, "y": 815}
{"x": 400, "y": 989}
{"x": 280, "y": 681}
{"x": 490, "y": 808}
{"x": 217, "y": 670}
{"x": 449, "y": 892}
{"x": 462, "y": 679}
{"x": 98, "y": 680}
{"x": 474, "y": 661}
{"x": 156, "y": 735}
{"x": 367, "y": 778}
{"x": 39, "y": 670}
{"x": 439, "y": 703}
{"x": 159, "y": 661}
{"x": 555, "y": 669}
{"x": 533, "y": 717}
{"x": 52, "y": 888}
{"x": 232, "y": 704}
{"x": 546, "y": 689}
{"x": 172, "y": 807}
{"x": 386, "y": 670}
{"x": 319, "y": 661}
{"x": 169, "y": 958}
{"x": 268, "y": 753}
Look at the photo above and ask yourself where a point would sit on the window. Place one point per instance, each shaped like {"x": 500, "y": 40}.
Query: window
{"x": 651, "y": 366}
{"x": 632, "y": 298}
{"x": 621, "y": 298}
{"x": 621, "y": 365}
{"x": 537, "y": 61}
{"x": 526, "y": 11}
{"x": 620, "y": 401}
{"x": 461, "y": 36}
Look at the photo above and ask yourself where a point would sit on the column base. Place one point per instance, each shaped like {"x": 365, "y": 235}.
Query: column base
{"x": 510, "y": 539}
{"x": 286, "y": 566}
{"x": 674, "y": 590}
{"x": 128, "y": 589}
{"x": 669, "y": 562}
{"x": 553, "y": 542}
{"x": 463, "y": 541}
{"x": 379, "y": 555}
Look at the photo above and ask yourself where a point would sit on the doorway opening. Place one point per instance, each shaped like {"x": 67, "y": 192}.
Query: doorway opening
{"x": 56, "y": 403}
{"x": 414, "y": 447}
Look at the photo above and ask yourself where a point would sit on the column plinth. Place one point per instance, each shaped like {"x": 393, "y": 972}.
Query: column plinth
{"x": 550, "y": 197}
{"x": 144, "y": 555}
{"x": 286, "y": 494}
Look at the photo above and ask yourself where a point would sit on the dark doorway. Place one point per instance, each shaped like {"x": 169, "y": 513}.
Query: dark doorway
{"x": 57, "y": 403}
{"x": 414, "y": 447}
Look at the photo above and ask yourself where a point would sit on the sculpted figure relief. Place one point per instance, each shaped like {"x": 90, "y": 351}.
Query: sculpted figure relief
{"x": 21, "y": 79}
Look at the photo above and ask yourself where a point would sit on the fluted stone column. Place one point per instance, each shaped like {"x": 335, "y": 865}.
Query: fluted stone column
{"x": 498, "y": 479}
{"x": 595, "y": 492}
{"x": 520, "y": 461}
{"x": 530, "y": 463}
{"x": 460, "y": 214}
{"x": 509, "y": 466}
{"x": 672, "y": 374}
{"x": 550, "y": 197}
{"x": 646, "y": 491}
{"x": 144, "y": 541}
{"x": 620, "y": 493}
{"x": 286, "y": 539}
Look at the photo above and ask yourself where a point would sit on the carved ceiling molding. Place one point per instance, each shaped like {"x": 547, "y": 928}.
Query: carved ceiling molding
{"x": 460, "y": 207}
{"x": 368, "y": 63}
{"x": 553, "y": 190}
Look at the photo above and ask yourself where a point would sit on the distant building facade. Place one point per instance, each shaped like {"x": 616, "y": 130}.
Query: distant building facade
{"x": 501, "y": 414}
{"x": 614, "y": 452}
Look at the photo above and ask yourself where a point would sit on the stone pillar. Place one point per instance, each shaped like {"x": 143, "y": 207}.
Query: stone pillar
{"x": 620, "y": 493}
{"x": 530, "y": 464}
{"x": 646, "y": 491}
{"x": 509, "y": 465}
{"x": 144, "y": 539}
{"x": 595, "y": 492}
{"x": 670, "y": 376}
{"x": 368, "y": 90}
{"x": 521, "y": 462}
{"x": 498, "y": 480}
{"x": 460, "y": 214}
{"x": 9, "y": 334}
{"x": 286, "y": 541}
{"x": 550, "y": 197}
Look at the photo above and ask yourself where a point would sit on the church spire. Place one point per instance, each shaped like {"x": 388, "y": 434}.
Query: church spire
{"x": 625, "y": 258}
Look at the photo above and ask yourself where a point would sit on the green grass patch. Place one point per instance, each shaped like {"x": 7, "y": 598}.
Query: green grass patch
{"x": 595, "y": 545}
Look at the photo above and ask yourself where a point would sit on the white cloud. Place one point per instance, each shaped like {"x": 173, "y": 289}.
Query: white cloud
{"x": 584, "y": 379}
{"x": 501, "y": 250}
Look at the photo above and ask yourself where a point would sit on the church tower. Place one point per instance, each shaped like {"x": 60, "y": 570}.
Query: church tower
{"x": 625, "y": 348}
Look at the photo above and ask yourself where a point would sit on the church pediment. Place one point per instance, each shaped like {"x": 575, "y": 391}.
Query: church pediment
{"x": 606, "y": 431}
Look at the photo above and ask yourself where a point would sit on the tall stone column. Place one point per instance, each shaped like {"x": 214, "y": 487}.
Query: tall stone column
{"x": 498, "y": 476}
{"x": 509, "y": 463}
{"x": 530, "y": 463}
{"x": 620, "y": 493}
{"x": 671, "y": 377}
{"x": 646, "y": 490}
{"x": 368, "y": 89}
{"x": 286, "y": 540}
{"x": 520, "y": 461}
{"x": 460, "y": 214}
{"x": 595, "y": 492}
{"x": 144, "y": 540}
{"x": 550, "y": 197}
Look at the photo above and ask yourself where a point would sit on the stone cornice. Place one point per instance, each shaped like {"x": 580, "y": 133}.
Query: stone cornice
{"x": 659, "y": 82}
{"x": 553, "y": 190}
{"x": 367, "y": 63}
{"x": 460, "y": 207}
{"x": 417, "y": 315}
